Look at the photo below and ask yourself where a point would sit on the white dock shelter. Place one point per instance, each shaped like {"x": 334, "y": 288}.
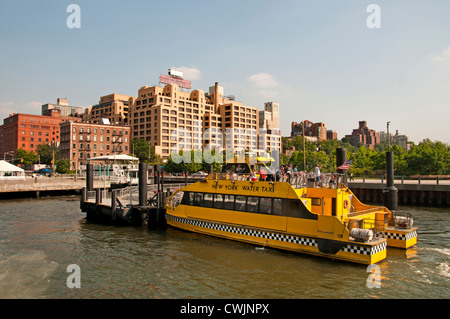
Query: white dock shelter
{"x": 10, "y": 172}
{"x": 119, "y": 173}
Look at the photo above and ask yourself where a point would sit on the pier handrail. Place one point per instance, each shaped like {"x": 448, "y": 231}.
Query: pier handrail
{"x": 297, "y": 180}
{"x": 363, "y": 212}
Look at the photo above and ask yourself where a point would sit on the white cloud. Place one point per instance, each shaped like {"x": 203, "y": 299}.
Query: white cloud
{"x": 443, "y": 56}
{"x": 190, "y": 73}
{"x": 9, "y": 107}
{"x": 264, "y": 84}
{"x": 263, "y": 80}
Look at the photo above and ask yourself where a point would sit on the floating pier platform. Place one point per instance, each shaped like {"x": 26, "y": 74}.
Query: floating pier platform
{"x": 141, "y": 205}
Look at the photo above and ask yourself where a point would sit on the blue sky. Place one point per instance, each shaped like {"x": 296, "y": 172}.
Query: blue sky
{"x": 318, "y": 59}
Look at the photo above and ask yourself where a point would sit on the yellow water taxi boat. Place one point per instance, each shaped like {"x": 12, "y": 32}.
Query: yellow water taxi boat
{"x": 326, "y": 221}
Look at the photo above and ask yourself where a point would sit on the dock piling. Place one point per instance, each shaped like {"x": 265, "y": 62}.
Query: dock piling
{"x": 390, "y": 192}
{"x": 143, "y": 176}
{"x": 90, "y": 177}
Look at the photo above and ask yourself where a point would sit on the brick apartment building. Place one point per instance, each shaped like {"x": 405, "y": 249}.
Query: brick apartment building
{"x": 317, "y": 130}
{"x": 82, "y": 141}
{"x": 27, "y": 131}
{"x": 364, "y": 135}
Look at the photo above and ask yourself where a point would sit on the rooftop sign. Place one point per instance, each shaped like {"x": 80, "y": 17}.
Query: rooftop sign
{"x": 167, "y": 79}
{"x": 175, "y": 77}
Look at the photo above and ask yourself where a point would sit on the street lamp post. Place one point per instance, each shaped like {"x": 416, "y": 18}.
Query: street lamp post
{"x": 304, "y": 154}
{"x": 388, "y": 136}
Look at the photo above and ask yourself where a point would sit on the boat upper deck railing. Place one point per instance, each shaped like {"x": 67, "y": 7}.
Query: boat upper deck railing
{"x": 297, "y": 180}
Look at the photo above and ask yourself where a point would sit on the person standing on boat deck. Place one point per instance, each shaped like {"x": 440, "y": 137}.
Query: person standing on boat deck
{"x": 318, "y": 174}
{"x": 252, "y": 176}
{"x": 277, "y": 175}
{"x": 262, "y": 174}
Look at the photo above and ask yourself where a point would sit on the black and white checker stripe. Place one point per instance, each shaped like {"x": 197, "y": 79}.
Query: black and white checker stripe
{"x": 246, "y": 231}
{"x": 397, "y": 236}
{"x": 365, "y": 250}
{"x": 357, "y": 249}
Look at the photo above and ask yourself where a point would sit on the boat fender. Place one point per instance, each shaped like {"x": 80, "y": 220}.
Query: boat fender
{"x": 329, "y": 246}
{"x": 360, "y": 234}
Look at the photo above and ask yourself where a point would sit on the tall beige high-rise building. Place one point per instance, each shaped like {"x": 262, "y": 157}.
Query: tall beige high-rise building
{"x": 113, "y": 107}
{"x": 269, "y": 127}
{"x": 169, "y": 119}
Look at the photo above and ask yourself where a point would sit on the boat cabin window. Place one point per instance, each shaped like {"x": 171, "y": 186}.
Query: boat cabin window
{"x": 177, "y": 199}
{"x": 316, "y": 201}
{"x": 208, "y": 200}
{"x": 218, "y": 201}
{"x": 252, "y": 204}
{"x": 196, "y": 199}
{"x": 228, "y": 202}
{"x": 186, "y": 198}
{"x": 240, "y": 203}
{"x": 277, "y": 206}
{"x": 265, "y": 205}
{"x": 297, "y": 209}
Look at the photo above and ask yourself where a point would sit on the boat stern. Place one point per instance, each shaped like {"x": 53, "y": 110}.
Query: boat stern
{"x": 400, "y": 238}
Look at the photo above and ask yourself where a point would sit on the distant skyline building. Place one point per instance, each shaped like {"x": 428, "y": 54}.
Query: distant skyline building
{"x": 397, "y": 139}
{"x": 332, "y": 135}
{"x": 63, "y": 106}
{"x": 317, "y": 130}
{"x": 369, "y": 138}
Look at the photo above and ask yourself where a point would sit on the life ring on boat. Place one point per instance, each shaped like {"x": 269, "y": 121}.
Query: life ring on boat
{"x": 345, "y": 204}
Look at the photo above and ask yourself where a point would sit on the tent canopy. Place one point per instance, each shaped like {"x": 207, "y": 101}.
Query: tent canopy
{"x": 7, "y": 167}
{"x": 10, "y": 172}
{"x": 119, "y": 157}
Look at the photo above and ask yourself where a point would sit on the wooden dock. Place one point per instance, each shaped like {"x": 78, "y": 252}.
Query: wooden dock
{"x": 123, "y": 206}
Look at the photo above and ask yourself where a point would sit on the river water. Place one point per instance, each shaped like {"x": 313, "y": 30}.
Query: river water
{"x": 40, "y": 238}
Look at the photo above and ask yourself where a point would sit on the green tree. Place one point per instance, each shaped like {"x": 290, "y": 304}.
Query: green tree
{"x": 185, "y": 162}
{"x": 25, "y": 157}
{"x": 46, "y": 152}
{"x": 141, "y": 149}
{"x": 320, "y": 158}
{"x": 363, "y": 160}
{"x": 428, "y": 158}
{"x": 63, "y": 166}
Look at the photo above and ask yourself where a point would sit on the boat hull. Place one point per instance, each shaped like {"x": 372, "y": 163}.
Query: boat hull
{"x": 363, "y": 253}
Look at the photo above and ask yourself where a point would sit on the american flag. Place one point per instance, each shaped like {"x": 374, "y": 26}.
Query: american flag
{"x": 346, "y": 165}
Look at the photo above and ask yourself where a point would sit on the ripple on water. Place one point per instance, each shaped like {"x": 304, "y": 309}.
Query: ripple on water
{"x": 25, "y": 275}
